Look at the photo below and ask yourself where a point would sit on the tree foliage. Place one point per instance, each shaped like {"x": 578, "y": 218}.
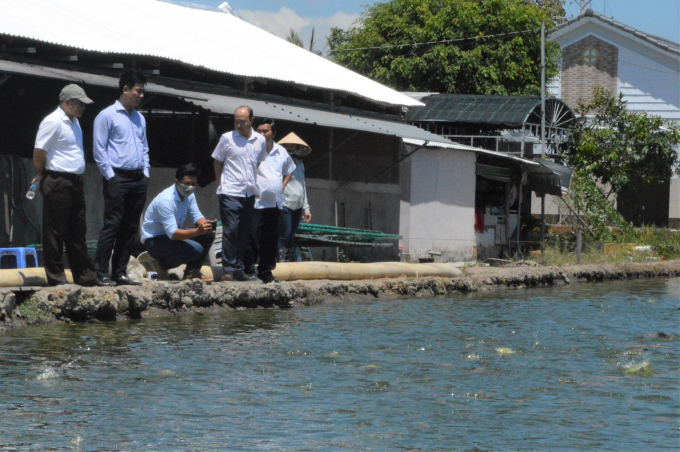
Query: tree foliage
{"x": 294, "y": 38}
{"x": 619, "y": 147}
{"x": 508, "y": 64}
{"x": 598, "y": 211}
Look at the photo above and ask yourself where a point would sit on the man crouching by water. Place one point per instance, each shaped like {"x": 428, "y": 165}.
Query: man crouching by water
{"x": 162, "y": 231}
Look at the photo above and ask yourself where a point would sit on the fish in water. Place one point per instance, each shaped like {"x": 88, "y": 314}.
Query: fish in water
{"x": 505, "y": 351}
{"x": 642, "y": 368}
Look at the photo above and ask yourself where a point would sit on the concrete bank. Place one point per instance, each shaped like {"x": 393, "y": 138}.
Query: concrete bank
{"x": 77, "y": 304}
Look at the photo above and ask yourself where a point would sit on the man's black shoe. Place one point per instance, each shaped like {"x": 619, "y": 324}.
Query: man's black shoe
{"x": 245, "y": 278}
{"x": 60, "y": 283}
{"x": 270, "y": 279}
{"x": 99, "y": 282}
{"x": 125, "y": 281}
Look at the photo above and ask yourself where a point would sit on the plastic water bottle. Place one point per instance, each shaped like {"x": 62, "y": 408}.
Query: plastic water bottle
{"x": 30, "y": 194}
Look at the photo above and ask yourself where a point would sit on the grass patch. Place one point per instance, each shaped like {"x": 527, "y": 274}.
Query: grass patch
{"x": 560, "y": 249}
{"x": 32, "y": 313}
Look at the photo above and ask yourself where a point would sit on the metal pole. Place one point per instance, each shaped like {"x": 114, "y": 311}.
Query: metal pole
{"x": 519, "y": 213}
{"x": 337, "y": 249}
{"x": 542, "y": 225}
{"x": 542, "y": 88}
{"x": 578, "y": 245}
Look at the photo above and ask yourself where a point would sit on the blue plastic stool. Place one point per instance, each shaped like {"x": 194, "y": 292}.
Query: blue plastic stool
{"x": 18, "y": 258}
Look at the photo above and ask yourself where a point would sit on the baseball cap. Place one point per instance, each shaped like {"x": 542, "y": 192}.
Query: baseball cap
{"x": 74, "y": 91}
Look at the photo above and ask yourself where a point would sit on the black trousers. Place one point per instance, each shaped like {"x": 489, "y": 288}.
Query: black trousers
{"x": 64, "y": 224}
{"x": 263, "y": 242}
{"x": 124, "y": 199}
{"x": 236, "y": 213}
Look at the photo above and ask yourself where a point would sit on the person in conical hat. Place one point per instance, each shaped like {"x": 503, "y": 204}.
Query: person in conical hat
{"x": 295, "y": 146}
{"x": 295, "y": 205}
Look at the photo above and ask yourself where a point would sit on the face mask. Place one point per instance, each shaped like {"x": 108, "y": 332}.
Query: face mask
{"x": 186, "y": 190}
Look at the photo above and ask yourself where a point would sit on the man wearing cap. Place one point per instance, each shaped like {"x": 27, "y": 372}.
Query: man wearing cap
{"x": 236, "y": 158}
{"x": 60, "y": 162}
{"x": 272, "y": 176}
{"x": 122, "y": 155}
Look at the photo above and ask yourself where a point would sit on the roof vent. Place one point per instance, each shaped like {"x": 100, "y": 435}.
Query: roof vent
{"x": 227, "y": 8}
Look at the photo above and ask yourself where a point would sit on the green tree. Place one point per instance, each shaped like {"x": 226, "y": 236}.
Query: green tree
{"x": 294, "y": 38}
{"x": 379, "y": 46}
{"x": 618, "y": 147}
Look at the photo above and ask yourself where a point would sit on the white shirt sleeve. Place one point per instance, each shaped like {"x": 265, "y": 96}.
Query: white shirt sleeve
{"x": 262, "y": 156}
{"x": 288, "y": 165}
{"x": 48, "y": 133}
{"x": 220, "y": 152}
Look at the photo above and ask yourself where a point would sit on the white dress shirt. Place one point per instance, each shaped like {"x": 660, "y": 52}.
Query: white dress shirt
{"x": 270, "y": 178}
{"x": 240, "y": 157}
{"x": 62, "y": 139}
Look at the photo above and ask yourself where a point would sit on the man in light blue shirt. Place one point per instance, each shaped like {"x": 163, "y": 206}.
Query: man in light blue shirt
{"x": 122, "y": 155}
{"x": 163, "y": 232}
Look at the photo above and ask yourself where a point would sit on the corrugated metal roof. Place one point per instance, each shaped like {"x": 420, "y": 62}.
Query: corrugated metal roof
{"x": 228, "y": 104}
{"x": 212, "y": 40}
{"x": 462, "y": 147}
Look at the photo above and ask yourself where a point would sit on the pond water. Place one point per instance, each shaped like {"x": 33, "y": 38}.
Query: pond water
{"x": 566, "y": 368}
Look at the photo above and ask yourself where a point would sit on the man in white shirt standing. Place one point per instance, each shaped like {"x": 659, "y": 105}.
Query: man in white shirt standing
{"x": 273, "y": 176}
{"x": 236, "y": 158}
{"x": 60, "y": 162}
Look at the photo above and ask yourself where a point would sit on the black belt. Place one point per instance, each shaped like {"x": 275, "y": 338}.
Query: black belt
{"x": 129, "y": 173}
{"x": 70, "y": 176}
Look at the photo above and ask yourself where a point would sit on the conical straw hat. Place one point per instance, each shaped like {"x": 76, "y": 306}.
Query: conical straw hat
{"x": 291, "y": 138}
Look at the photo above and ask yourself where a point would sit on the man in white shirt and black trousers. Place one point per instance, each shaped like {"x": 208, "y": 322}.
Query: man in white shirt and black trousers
{"x": 236, "y": 158}
{"x": 273, "y": 175}
{"x": 60, "y": 162}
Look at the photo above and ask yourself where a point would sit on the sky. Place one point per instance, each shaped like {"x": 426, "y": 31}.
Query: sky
{"x": 658, "y": 17}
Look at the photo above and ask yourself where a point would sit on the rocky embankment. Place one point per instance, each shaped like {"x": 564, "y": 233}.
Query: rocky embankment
{"x": 78, "y": 304}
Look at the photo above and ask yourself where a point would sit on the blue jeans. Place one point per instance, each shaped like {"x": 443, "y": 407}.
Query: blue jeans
{"x": 173, "y": 253}
{"x": 288, "y": 226}
{"x": 236, "y": 213}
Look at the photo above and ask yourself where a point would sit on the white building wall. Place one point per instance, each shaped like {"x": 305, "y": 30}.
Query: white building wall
{"x": 674, "y": 205}
{"x": 648, "y": 86}
{"x": 438, "y": 204}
